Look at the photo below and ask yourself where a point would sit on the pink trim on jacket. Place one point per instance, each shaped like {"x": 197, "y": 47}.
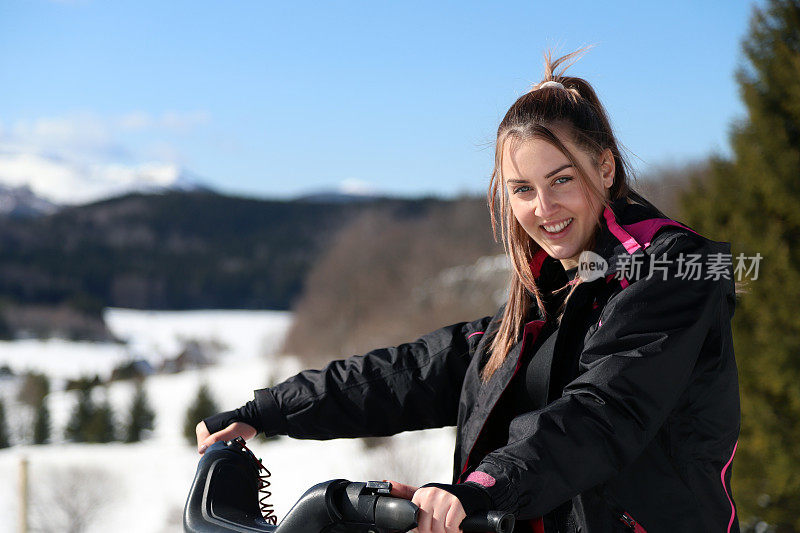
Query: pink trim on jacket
{"x": 619, "y": 232}
{"x": 644, "y": 231}
{"x": 536, "y": 262}
{"x": 639, "y": 234}
{"x": 722, "y": 478}
{"x": 481, "y": 478}
{"x": 476, "y": 333}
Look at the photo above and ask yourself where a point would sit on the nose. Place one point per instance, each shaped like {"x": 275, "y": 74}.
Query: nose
{"x": 546, "y": 205}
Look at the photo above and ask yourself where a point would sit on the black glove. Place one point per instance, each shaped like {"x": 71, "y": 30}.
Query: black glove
{"x": 246, "y": 413}
{"x": 473, "y": 497}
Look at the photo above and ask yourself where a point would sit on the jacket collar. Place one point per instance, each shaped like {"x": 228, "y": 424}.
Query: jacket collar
{"x": 627, "y": 226}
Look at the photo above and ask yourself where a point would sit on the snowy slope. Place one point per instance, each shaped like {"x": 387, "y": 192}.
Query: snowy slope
{"x": 142, "y": 487}
{"x": 150, "y": 335}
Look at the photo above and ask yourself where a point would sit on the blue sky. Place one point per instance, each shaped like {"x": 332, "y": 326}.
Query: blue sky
{"x": 279, "y": 99}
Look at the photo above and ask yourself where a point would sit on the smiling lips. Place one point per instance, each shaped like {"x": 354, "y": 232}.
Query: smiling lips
{"x": 555, "y": 229}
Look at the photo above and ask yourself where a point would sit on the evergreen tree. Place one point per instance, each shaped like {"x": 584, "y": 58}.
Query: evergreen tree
{"x": 41, "y": 428}
{"x": 753, "y": 202}
{"x": 202, "y": 407}
{"x": 5, "y": 331}
{"x": 82, "y": 414}
{"x": 142, "y": 416}
{"x": 101, "y": 425}
{"x": 4, "y": 436}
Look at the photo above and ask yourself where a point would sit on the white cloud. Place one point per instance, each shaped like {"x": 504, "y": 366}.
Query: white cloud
{"x": 172, "y": 121}
{"x": 162, "y": 151}
{"x": 93, "y": 132}
{"x": 81, "y": 131}
{"x": 135, "y": 121}
{"x": 181, "y": 122}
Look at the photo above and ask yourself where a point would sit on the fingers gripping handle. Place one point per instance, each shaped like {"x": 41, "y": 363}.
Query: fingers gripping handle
{"x": 399, "y": 514}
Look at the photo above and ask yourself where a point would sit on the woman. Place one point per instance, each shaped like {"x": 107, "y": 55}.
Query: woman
{"x": 593, "y": 400}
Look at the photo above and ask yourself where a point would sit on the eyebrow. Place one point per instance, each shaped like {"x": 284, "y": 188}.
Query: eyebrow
{"x": 556, "y": 171}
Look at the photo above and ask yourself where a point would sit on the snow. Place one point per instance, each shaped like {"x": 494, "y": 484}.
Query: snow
{"x": 68, "y": 178}
{"x": 142, "y": 487}
{"x": 150, "y": 335}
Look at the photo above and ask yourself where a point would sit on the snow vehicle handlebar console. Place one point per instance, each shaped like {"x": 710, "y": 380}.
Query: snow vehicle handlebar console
{"x": 225, "y": 497}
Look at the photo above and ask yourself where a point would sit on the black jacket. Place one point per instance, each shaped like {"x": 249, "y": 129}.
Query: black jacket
{"x": 639, "y": 412}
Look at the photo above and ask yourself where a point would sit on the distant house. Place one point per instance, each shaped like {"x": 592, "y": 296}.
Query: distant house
{"x": 138, "y": 368}
{"x": 193, "y": 355}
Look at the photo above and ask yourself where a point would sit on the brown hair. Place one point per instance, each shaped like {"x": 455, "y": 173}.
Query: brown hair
{"x": 575, "y": 111}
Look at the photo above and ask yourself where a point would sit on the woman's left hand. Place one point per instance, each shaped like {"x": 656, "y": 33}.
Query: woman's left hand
{"x": 439, "y": 511}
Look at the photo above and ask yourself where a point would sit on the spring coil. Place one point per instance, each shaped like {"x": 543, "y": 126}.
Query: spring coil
{"x": 267, "y": 510}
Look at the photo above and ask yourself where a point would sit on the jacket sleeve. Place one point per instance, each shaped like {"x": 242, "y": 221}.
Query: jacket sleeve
{"x": 633, "y": 369}
{"x": 414, "y": 385}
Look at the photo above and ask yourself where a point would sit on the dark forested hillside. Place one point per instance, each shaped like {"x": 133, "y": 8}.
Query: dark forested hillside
{"x": 174, "y": 251}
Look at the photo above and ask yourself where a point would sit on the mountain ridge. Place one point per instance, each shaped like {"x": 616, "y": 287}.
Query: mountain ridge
{"x": 175, "y": 250}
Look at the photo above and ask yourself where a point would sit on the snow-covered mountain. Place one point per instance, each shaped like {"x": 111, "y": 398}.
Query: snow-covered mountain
{"x": 22, "y": 202}
{"x": 348, "y": 191}
{"x": 69, "y": 181}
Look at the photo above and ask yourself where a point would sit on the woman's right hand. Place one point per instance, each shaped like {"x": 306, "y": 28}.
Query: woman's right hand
{"x": 439, "y": 510}
{"x": 206, "y": 438}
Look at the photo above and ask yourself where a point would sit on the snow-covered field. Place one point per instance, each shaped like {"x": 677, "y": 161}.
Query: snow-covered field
{"x": 142, "y": 487}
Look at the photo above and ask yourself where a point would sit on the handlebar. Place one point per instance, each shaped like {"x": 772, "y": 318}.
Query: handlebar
{"x": 224, "y": 498}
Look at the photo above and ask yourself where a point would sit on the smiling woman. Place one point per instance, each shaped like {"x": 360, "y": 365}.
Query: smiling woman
{"x": 594, "y": 404}
{"x": 557, "y": 165}
{"x": 552, "y": 206}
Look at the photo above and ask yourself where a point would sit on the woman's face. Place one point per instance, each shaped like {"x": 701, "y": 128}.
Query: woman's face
{"x": 546, "y": 196}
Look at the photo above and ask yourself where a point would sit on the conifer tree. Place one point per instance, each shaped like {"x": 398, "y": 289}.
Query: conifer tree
{"x": 202, "y": 407}
{"x": 78, "y": 426}
{"x": 101, "y": 426}
{"x": 6, "y": 333}
{"x": 753, "y": 201}
{"x": 42, "y": 428}
{"x": 4, "y": 436}
{"x": 141, "y": 418}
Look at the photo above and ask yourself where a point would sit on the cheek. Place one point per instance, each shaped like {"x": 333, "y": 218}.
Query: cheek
{"x": 578, "y": 204}
{"x": 523, "y": 214}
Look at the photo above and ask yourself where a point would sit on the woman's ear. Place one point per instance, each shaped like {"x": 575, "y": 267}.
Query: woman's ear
{"x": 607, "y": 168}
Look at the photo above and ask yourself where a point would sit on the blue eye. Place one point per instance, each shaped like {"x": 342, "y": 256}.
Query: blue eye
{"x": 521, "y": 189}
{"x": 567, "y": 178}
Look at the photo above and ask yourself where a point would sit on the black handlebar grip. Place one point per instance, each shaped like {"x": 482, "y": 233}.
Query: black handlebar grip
{"x": 395, "y": 513}
{"x": 493, "y": 521}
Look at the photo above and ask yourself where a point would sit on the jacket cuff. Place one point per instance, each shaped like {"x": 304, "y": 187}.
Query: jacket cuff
{"x": 473, "y": 497}
{"x": 220, "y": 421}
{"x": 272, "y": 421}
{"x": 501, "y": 489}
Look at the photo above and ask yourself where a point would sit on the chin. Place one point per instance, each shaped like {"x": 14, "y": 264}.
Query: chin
{"x": 558, "y": 253}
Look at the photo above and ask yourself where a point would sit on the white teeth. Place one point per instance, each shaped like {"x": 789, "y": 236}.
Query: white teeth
{"x": 558, "y": 227}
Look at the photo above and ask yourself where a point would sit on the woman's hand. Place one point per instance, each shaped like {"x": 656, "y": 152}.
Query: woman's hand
{"x": 439, "y": 511}
{"x": 237, "y": 429}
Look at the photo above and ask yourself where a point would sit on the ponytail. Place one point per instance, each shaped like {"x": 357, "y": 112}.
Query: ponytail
{"x": 569, "y": 105}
